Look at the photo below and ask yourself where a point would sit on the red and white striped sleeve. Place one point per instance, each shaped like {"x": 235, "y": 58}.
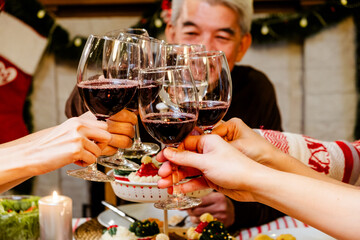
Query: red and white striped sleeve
{"x": 338, "y": 159}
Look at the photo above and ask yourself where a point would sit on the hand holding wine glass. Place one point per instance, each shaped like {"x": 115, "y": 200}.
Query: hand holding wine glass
{"x": 168, "y": 109}
{"x": 102, "y": 92}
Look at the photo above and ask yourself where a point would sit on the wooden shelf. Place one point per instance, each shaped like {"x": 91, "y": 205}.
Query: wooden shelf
{"x": 88, "y": 8}
{"x": 93, "y": 2}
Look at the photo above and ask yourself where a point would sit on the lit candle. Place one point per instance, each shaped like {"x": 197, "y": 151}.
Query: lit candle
{"x": 55, "y": 213}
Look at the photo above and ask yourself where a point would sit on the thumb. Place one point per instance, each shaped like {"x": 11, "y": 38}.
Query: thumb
{"x": 183, "y": 158}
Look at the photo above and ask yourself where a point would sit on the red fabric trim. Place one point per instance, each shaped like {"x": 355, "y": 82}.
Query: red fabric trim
{"x": 12, "y": 98}
{"x": 250, "y": 234}
{"x": 349, "y": 161}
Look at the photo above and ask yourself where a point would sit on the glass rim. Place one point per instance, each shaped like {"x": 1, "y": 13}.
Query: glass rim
{"x": 185, "y": 44}
{"x": 203, "y": 54}
{"x": 164, "y": 69}
{"x": 125, "y": 28}
{"x": 141, "y": 37}
{"x": 111, "y": 39}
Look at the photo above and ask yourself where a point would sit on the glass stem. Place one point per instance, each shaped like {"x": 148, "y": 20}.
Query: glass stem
{"x": 176, "y": 180}
{"x": 92, "y": 167}
{"x": 137, "y": 140}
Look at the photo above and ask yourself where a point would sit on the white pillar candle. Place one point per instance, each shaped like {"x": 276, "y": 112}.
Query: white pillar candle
{"x": 55, "y": 213}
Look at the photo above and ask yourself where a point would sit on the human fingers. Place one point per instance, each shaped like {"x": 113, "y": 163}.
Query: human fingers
{"x": 160, "y": 157}
{"x": 88, "y": 115}
{"x": 189, "y": 186}
{"x": 121, "y": 128}
{"x": 108, "y": 150}
{"x": 124, "y": 116}
{"x": 166, "y": 171}
{"x": 229, "y": 130}
{"x": 183, "y": 172}
{"x": 212, "y": 203}
{"x": 120, "y": 141}
{"x": 92, "y": 129}
{"x": 86, "y": 159}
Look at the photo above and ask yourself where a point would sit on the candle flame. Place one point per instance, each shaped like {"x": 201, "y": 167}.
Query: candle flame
{"x": 55, "y": 196}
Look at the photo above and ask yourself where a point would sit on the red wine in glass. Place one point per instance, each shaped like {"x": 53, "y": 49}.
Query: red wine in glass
{"x": 169, "y": 128}
{"x": 211, "y": 112}
{"x": 105, "y": 97}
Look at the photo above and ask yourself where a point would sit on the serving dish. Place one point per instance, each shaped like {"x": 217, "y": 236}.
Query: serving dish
{"x": 145, "y": 192}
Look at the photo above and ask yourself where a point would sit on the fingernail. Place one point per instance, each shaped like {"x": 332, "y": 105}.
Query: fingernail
{"x": 170, "y": 152}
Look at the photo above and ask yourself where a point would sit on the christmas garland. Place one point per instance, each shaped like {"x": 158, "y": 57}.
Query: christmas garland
{"x": 292, "y": 27}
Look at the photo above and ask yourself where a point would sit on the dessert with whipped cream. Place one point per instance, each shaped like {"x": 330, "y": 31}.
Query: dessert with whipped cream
{"x": 148, "y": 172}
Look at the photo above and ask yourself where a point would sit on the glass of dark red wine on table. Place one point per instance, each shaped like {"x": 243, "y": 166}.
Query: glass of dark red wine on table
{"x": 152, "y": 54}
{"x": 163, "y": 97}
{"x": 211, "y": 74}
{"x": 103, "y": 93}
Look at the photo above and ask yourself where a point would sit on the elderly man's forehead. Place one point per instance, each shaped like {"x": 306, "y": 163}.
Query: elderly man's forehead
{"x": 191, "y": 10}
{"x": 188, "y": 7}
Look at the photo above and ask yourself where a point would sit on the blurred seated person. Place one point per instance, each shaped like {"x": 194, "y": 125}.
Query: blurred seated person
{"x": 78, "y": 140}
{"x": 225, "y": 25}
{"x": 221, "y": 25}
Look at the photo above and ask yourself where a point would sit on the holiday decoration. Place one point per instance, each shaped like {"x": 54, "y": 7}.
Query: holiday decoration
{"x": 293, "y": 27}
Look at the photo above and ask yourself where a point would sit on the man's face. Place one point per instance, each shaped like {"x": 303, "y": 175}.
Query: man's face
{"x": 215, "y": 26}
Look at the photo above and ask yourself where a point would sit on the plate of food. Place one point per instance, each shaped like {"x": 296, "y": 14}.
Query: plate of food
{"x": 305, "y": 233}
{"x": 139, "y": 211}
{"x": 152, "y": 229}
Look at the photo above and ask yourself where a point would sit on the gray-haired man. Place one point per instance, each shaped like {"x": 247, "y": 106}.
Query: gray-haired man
{"x": 225, "y": 25}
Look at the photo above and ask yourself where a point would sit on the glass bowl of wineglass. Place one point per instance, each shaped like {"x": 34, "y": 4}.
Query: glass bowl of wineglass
{"x": 174, "y": 49}
{"x": 211, "y": 74}
{"x": 168, "y": 107}
{"x": 103, "y": 93}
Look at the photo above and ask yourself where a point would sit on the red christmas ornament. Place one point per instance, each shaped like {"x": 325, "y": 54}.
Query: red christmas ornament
{"x": 166, "y": 4}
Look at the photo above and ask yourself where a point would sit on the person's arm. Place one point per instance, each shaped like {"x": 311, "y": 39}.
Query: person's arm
{"x": 332, "y": 208}
{"x": 7, "y": 186}
{"x": 257, "y": 148}
{"x": 45, "y": 151}
{"x": 328, "y": 207}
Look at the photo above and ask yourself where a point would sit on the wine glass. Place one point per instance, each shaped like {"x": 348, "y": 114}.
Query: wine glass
{"x": 173, "y": 50}
{"x": 168, "y": 107}
{"x": 212, "y": 77}
{"x": 103, "y": 93}
{"x": 152, "y": 54}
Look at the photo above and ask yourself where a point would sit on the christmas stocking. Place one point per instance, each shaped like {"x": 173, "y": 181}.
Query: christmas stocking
{"x": 20, "y": 51}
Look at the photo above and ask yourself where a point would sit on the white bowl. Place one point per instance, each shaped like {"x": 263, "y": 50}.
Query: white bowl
{"x": 145, "y": 192}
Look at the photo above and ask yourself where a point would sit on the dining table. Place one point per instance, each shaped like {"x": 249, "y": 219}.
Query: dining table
{"x": 274, "y": 228}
